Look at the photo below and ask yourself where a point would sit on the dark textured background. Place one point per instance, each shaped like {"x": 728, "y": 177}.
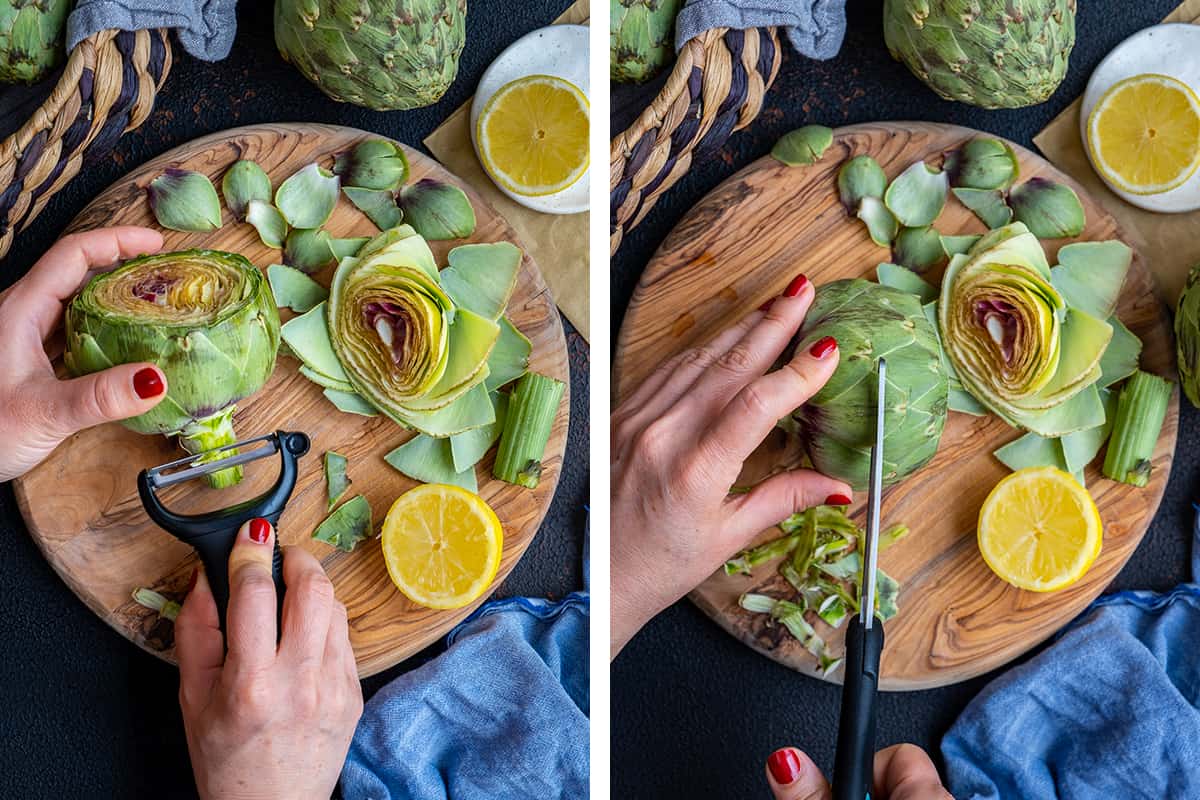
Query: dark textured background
{"x": 694, "y": 713}
{"x": 84, "y": 713}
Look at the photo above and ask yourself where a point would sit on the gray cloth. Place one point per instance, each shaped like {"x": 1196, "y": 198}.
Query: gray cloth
{"x": 814, "y": 27}
{"x": 205, "y": 27}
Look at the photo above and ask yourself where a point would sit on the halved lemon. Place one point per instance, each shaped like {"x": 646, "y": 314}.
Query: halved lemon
{"x": 442, "y": 545}
{"x": 1144, "y": 134}
{"x": 533, "y": 135}
{"x": 1039, "y": 529}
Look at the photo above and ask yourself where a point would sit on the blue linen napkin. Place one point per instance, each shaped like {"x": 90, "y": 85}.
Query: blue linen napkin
{"x": 1111, "y": 710}
{"x": 205, "y": 27}
{"x": 814, "y": 27}
{"x": 501, "y": 715}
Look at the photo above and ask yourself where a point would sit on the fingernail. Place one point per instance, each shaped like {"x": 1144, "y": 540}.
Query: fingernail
{"x": 796, "y": 286}
{"x": 784, "y": 765}
{"x": 147, "y": 383}
{"x": 837, "y": 500}
{"x": 765, "y": 307}
{"x": 260, "y": 530}
{"x": 823, "y": 347}
{"x": 192, "y": 581}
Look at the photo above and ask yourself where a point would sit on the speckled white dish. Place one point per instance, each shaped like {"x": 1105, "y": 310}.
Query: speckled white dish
{"x": 558, "y": 50}
{"x": 1172, "y": 50}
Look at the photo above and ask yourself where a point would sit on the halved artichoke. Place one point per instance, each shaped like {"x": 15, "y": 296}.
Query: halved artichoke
{"x": 205, "y": 317}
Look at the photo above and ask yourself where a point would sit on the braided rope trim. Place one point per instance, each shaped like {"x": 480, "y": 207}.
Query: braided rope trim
{"x": 107, "y": 88}
{"x": 715, "y": 88}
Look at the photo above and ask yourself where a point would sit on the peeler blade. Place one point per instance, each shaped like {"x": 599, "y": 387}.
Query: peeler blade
{"x": 162, "y": 476}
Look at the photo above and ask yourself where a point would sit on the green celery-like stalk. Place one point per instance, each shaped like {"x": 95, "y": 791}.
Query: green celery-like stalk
{"x": 1141, "y": 409}
{"x": 531, "y": 411}
{"x": 747, "y": 560}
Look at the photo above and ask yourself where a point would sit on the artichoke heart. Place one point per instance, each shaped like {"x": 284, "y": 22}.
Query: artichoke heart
{"x": 206, "y": 318}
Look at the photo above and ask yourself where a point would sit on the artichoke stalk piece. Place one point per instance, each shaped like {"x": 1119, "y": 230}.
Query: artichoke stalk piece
{"x": 204, "y": 317}
{"x": 837, "y": 425}
{"x": 381, "y": 54}
{"x": 31, "y": 38}
{"x": 641, "y": 38}
{"x": 989, "y": 53}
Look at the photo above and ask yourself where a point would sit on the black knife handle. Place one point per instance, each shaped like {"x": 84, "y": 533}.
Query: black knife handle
{"x": 854, "y": 762}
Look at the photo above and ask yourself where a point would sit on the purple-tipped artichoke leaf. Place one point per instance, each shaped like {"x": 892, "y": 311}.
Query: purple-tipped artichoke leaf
{"x": 982, "y": 164}
{"x": 437, "y": 210}
{"x": 918, "y": 249}
{"x": 1050, "y": 210}
{"x": 184, "y": 201}
{"x": 378, "y": 164}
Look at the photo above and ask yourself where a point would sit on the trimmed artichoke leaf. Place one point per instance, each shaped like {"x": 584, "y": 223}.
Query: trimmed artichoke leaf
{"x": 308, "y": 250}
{"x": 245, "y": 181}
{"x": 308, "y": 338}
{"x": 481, "y": 277}
{"x": 379, "y": 206}
{"x": 1084, "y": 339}
{"x": 1032, "y": 450}
{"x": 917, "y": 196}
{"x": 1050, "y": 210}
{"x": 802, "y": 146}
{"x": 1081, "y": 447}
{"x": 271, "y": 226}
{"x": 399, "y": 246}
{"x": 954, "y": 245}
{"x": 347, "y": 526}
{"x": 437, "y": 210}
{"x": 962, "y": 401}
{"x": 429, "y": 460}
{"x": 336, "y": 480}
{"x": 469, "y": 447}
{"x": 987, "y": 204}
{"x": 906, "y": 280}
{"x": 887, "y": 596}
{"x": 295, "y": 290}
{"x": 983, "y": 163}
{"x": 1083, "y": 410}
{"x": 378, "y": 164}
{"x": 183, "y": 200}
{"x": 1090, "y": 275}
{"x": 347, "y": 248}
{"x": 1120, "y": 359}
{"x": 471, "y": 410}
{"x": 351, "y": 403}
{"x": 509, "y": 358}
{"x": 308, "y": 197}
{"x": 881, "y": 225}
{"x": 324, "y": 381}
{"x": 918, "y": 249}
{"x": 860, "y": 177}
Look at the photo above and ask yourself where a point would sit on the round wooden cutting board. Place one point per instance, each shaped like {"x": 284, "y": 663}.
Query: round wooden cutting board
{"x": 81, "y": 504}
{"x": 740, "y": 246}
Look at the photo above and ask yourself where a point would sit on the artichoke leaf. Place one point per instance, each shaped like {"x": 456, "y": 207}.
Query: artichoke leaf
{"x": 308, "y": 250}
{"x": 1050, "y": 210}
{"x": 1083, "y": 410}
{"x": 379, "y": 206}
{"x": 917, "y": 196}
{"x": 860, "y": 177}
{"x": 918, "y": 249}
{"x": 983, "y": 163}
{"x": 471, "y": 410}
{"x": 472, "y": 338}
{"x": 308, "y": 197}
{"x": 244, "y": 181}
{"x": 906, "y": 280}
{"x": 271, "y": 226}
{"x": 1084, "y": 340}
{"x": 324, "y": 381}
{"x": 293, "y": 289}
{"x": 509, "y": 358}
{"x": 437, "y": 210}
{"x": 351, "y": 403}
{"x": 183, "y": 200}
{"x": 1081, "y": 447}
{"x": 347, "y": 248}
{"x": 469, "y": 447}
{"x": 308, "y": 338}
{"x": 802, "y": 146}
{"x": 336, "y": 480}
{"x": 987, "y": 204}
{"x": 954, "y": 245}
{"x": 378, "y": 164}
{"x": 481, "y": 277}
{"x": 1090, "y": 275}
{"x": 400, "y": 246}
{"x": 882, "y": 227}
{"x": 347, "y": 526}
{"x": 429, "y": 460}
{"x": 1120, "y": 359}
{"x": 1032, "y": 450}
{"x": 962, "y": 401}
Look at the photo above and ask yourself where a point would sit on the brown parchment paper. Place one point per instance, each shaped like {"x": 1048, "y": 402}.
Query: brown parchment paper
{"x": 557, "y": 242}
{"x": 1168, "y": 243}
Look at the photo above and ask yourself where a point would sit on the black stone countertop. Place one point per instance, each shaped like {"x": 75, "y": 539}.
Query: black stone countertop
{"x": 695, "y": 713}
{"x": 84, "y": 713}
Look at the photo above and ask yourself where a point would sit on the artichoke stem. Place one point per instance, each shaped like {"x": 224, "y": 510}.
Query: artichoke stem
{"x": 208, "y": 434}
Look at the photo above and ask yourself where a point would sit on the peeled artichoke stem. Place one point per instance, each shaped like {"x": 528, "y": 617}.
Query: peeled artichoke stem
{"x": 210, "y": 433}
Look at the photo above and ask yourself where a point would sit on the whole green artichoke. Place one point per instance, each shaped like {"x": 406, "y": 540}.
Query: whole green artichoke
{"x": 382, "y": 54}
{"x": 989, "y": 53}
{"x": 205, "y": 317}
{"x": 31, "y": 38}
{"x": 641, "y": 39}
{"x": 837, "y": 425}
{"x": 1187, "y": 336}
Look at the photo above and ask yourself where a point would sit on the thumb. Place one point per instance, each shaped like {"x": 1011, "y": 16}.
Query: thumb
{"x": 780, "y": 496}
{"x": 111, "y": 395}
{"x": 794, "y": 776}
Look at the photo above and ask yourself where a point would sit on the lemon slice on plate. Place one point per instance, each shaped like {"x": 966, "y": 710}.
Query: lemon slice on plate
{"x": 1039, "y": 529}
{"x": 442, "y": 545}
{"x": 533, "y": 135}
{"x": 1144, "y": 134}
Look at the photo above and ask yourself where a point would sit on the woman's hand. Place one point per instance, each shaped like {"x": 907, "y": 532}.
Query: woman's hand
{"x": 902, "y": 772}
{"x": 678, "y": 445}
{"x": 37, "y": 411}
{"x": 264, "y": 721}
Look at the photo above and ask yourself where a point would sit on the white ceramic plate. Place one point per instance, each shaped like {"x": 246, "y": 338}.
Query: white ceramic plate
{"x": 558, "y": 50}
{"x": 1172, "y": 50}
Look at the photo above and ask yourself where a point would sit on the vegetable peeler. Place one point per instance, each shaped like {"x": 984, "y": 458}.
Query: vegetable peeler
{"x": 854, "y": 762}
{"x": 213, "y": 533}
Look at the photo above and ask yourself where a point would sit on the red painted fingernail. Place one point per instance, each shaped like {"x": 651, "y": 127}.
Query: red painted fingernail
{"x": 765, "y": 307}
{"x": 784, "y": 765}
{"x": 823, "y": 347}
{"x": 192, "y": 581}
{"x": 147, "y": 383}
{"x": 837, "y": 500}
{"x": 796, "y": 286}
{"x": 260, "y": 530}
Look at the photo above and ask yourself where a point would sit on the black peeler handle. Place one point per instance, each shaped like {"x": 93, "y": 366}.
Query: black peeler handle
{"x": 854, "y": 762}
{"x": 214, "y": 549}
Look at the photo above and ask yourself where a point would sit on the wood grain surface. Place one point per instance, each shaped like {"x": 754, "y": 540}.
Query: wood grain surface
{"x": 741, "y": 245}
{"x": 81, "y": 505}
